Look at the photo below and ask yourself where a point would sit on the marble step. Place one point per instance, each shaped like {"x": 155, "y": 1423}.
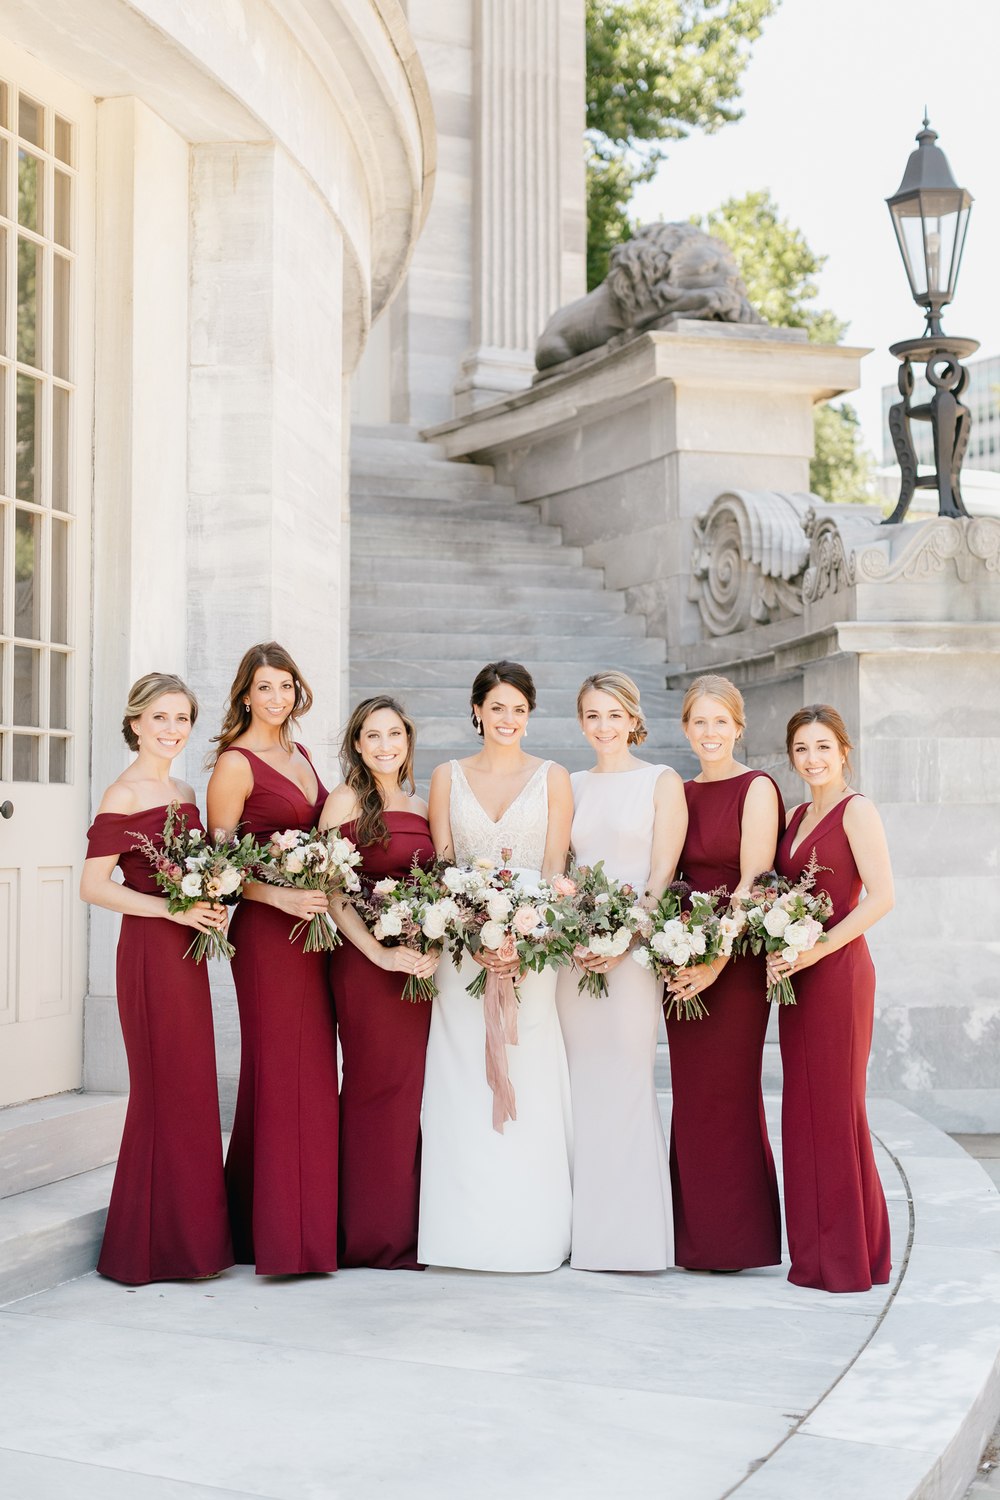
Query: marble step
{"x": 371, "y": 533}
{"x": 52, "y": 1233}
{"x": 412, "y": 461}
{"x": 458, "y": 604}
{"x": 374, "y": 442}
{"x": 545, "y": 729}
{"x": 459, "y": 482}
{"x": 406, "y": 507}
{"x": 376, "y": 674}
{"x": 539, "y": 617}
{"x": 629, "y": 651}
{"x": 396, "y": 432}
{"x": 465, "y": 566}
{"x": 452, "y": 548}
{"x": 451, "y": 698}
{"x": 48, "y": 1139}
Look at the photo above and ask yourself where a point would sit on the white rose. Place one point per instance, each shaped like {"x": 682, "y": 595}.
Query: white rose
{"x": 789, "y": 955}
{"x": 454, "y": 879}
{"x": 643, "y": 957}
{"x": 601, "y": 944}
{"x": 230, "y": 880}
{"x": 776, "y": 921}
{"x": 660, "y": 943}
{"x": 696, "y": 939}
{"x": 391, "y": 922}
{"x": 499, "y": 907}
{"x": 191, "y": 885}
{"x": 192, "y": 864}
{"x": 294, "y": 863}
{"x": 798, "y": 934}
{"x": 491, "y": 935}
{"x": 434, "y": 923}
{"x": 620, "y": 941}
{"x": 383, "y": 887}
{"x": 680, "y": 954}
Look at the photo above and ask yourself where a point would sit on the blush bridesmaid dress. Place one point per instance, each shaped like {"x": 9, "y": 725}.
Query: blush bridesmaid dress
{"x": 725, "y": 1190}
{"x": 167, "y": 1219}
{"x": 383, "y": 1040}
{"x": 835, "y": 1212}
{"x": 281, "y": 1168}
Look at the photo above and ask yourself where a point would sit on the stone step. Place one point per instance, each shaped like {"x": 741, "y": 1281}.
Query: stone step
{"x": 538, "y": 617}
{"x": 456, "y": 550}
{"x": 575, "y": 757}
{"x": 378, "y": 675}
{"x": 630, "y": 652}
{"x": 377, "y": 443}
{"x": 550, "y": 729}
{"x": 405, "y": 507}
{"x": 398, "y": 432}
{"x": 411, "y": 461}
{"x": 52, "y": 1233}
{"x": 458, "y": 482}
{"x": 458, "y": 604}
{"x": 369, "y": 533}
{"x": 452, "y": 699}
{"x": 49, "y": 1139}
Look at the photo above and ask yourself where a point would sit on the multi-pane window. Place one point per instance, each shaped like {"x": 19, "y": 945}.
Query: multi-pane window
{"x": 37, "y": 408}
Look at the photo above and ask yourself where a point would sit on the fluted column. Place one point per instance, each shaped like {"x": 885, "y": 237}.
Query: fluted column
{"x": 529, "y": 213}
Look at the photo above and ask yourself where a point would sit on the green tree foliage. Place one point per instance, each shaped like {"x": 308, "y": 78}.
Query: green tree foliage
{"x": 780, "y": 272}
{"x": 656, "y": 70}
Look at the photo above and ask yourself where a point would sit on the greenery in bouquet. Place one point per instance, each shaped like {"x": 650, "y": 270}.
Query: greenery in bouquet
{"x": 415, "y": 911}
{"x": 787, "y": 917}
{"x": 312, "y": 861}
{"x": 188, "y": 867}
{"x": 596, "y": 914}
{"x": 688, "y": 928}
{"x": 503, "y": 913}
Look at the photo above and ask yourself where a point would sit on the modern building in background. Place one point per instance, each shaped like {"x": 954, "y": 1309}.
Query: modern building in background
{"x": 983, "y": 400}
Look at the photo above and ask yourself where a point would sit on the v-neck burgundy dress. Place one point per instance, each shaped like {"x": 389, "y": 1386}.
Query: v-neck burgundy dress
{"x": 725, "y": 1189}
{"x": 281, "y": 1169}
{"x": 835, "y": 1213}
{"x": 167, "y": 1219}
{"x": 383, "y": 1040}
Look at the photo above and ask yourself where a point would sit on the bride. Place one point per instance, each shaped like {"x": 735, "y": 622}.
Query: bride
{"x": 492, "y": 1201}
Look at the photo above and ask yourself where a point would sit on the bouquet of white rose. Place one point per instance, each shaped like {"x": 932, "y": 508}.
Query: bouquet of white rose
{"x": 598, "y": 915}
{"x": 416, "y": 911}
{"x": 188, "y": 868}
{"x": 312, "y": 862}
{"x": 786, "y": 917}
{"x": 688, "y": 929}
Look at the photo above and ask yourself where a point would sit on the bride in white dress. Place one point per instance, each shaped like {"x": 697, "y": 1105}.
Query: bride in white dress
{"x": 492, "y": 1201}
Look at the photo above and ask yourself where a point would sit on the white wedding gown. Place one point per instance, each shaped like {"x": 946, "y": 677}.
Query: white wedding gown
{"x": 492, "y": 1202}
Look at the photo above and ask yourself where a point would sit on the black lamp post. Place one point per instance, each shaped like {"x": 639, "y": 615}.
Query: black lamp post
{"x": 930, "y": 214}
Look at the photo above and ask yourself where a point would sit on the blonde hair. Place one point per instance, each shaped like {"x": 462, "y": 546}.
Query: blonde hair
{"x": 146, "y": 691}
{"x": 723, "y": 691}
{"x": 617, "y": 685}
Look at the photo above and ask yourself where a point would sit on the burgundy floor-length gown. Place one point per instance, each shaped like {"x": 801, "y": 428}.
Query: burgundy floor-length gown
{"x": 167, "y": 1218}
{"x": 725, "y": 1189}
{"x": 383, "y": 1041}
{"x": 835, "y": 1213}
{"x": 281, "y": 1168}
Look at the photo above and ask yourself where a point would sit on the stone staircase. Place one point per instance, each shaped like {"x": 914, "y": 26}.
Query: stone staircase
{"x": 56, "y": 1168}
{"x": 448, "y": 571}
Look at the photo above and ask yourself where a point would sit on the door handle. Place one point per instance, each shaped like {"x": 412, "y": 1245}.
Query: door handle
{"x": 6, "y": 809}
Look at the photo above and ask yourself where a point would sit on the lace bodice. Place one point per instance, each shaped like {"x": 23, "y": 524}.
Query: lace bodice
{"x": 522, "y": 828}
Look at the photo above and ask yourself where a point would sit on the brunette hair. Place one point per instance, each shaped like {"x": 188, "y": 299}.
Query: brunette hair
{"x": 146, "y": 691}
{"x": 266, "y": 654}
{"x": 370, "y": 825}
{"x": 724, "y": 691}
{"x": 821, "y": 713}
{"x": 619, "y": 686}
{"x": 491, "y": 676}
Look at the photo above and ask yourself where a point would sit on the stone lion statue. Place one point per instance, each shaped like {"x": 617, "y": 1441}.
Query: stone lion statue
{"x": 663, "y": 270}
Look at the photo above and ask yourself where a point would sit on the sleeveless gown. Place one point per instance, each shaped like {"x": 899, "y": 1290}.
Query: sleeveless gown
{"x": 281, "y": 1168}
{"x": 167, "y": 1218}
{"x": 838, "y": 1226}
{"x": 621, "y": 1180}
{"x": 492, "y": 1202}
{"x": 383, "y": 1039}
{"x": 725, "y": 1190}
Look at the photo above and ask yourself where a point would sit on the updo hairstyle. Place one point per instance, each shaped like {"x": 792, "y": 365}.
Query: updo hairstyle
{"x": 146, "y": 691}
{"x": 491, "y": 676}
{"x": 617, "y": 685}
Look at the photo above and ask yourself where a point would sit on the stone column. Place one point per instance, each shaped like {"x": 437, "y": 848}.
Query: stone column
{"x": 529, "y": 251}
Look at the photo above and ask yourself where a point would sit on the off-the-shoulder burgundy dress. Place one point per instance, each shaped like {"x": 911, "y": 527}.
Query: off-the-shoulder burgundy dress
{"x": 167, "y": 1218}
{"x": 383, "y": 1040}
{"x": 281, "y": 1168}
{"x": 725, "y": 1190}
{"x": 835, "y": 1213}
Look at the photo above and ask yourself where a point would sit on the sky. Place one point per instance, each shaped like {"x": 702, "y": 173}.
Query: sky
{"x": 834, "y": 95}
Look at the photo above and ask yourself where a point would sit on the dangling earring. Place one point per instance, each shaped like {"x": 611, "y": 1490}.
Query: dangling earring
{"x": 524, "y": 735}
{"x": 479, "y": 725}
{"x": 246, "y": 706}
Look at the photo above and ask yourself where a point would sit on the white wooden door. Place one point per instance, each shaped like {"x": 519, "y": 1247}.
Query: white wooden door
{"x": 47, "y": 147}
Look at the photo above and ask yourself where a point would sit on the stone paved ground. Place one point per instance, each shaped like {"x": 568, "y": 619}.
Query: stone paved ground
{"x": 986, "y": 1150}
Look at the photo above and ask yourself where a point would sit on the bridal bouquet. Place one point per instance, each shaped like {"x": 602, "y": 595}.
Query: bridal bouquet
{"x": 312, "y": 862}
{"x": 599, "y": 915}
{"x": 786, "y": 917}
{"x": 688, "y": 929}
{"x": 415, "y": 911}
{"x": 188, "y": 868}
{"x": 500, "y": 912}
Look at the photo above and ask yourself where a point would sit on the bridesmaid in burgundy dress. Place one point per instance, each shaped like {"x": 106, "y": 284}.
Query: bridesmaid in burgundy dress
{"x": 383, "y": 1037}
{"x": 281, "y": 1170}
{"x": 838, "y": 1228}
{"x": 167, "y": 1218}
{"x": 725, "y": 1191}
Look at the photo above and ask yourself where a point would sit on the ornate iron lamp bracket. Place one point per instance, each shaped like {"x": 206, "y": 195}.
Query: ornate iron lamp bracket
{"x": 949, "y": 418}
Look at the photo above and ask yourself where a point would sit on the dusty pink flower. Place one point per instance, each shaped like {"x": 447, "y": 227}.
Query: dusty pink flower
{"x": 526, "y": 919}
{"x": 507, "y": 950}
{"x": 563, "y": 886}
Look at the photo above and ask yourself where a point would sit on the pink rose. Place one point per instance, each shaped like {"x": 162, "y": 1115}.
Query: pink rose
{"x": 526, "y": 919}
{"x": 507, "y": 951}
{"x": 563, "y": 886}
